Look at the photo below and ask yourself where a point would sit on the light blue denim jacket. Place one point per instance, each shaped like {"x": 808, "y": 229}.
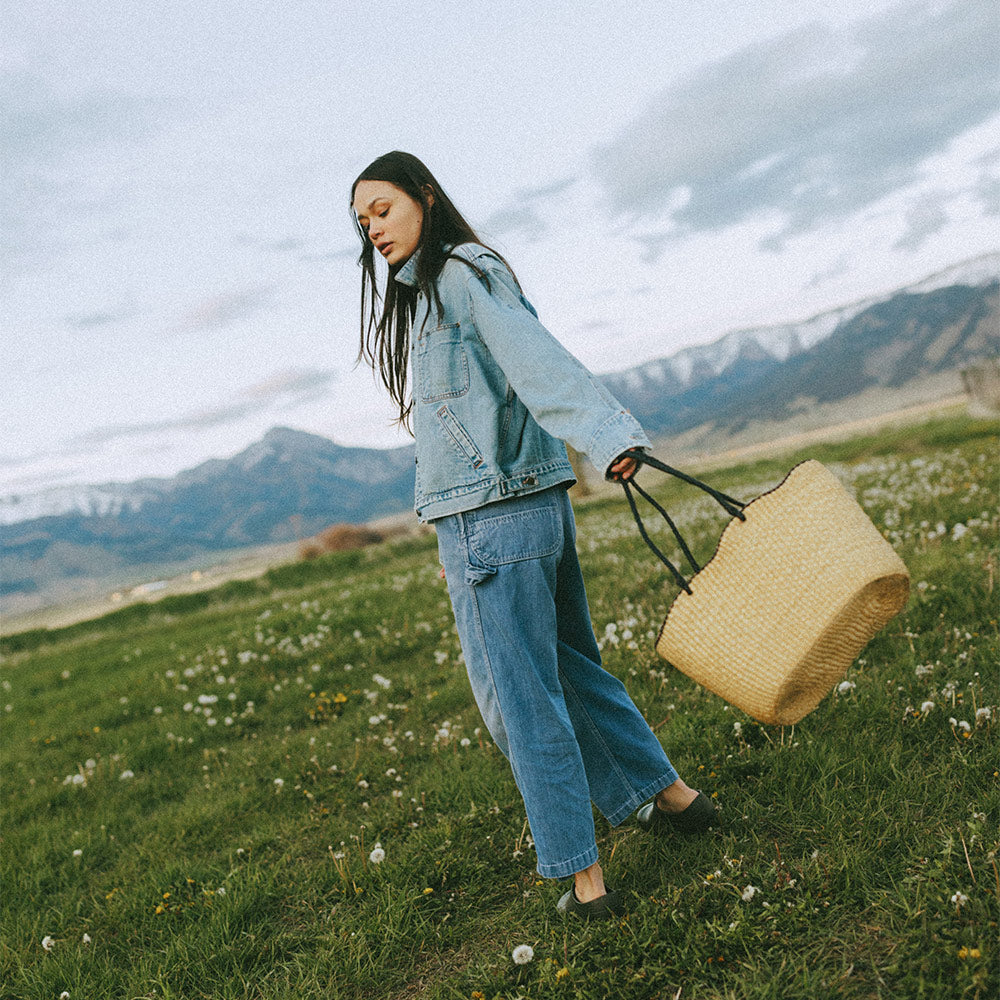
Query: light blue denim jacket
{"x": 494, "y": 392}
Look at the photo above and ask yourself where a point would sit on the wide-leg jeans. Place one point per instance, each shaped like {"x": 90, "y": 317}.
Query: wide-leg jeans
{"x": 568, "y": 727}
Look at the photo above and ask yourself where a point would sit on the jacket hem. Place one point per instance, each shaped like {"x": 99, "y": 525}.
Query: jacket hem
{"x": 460, "y": 499}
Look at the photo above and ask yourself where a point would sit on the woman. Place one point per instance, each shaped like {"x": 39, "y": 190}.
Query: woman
{"x": 494, "y": 395}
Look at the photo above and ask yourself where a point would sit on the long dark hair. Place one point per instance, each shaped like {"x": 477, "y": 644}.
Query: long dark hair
{"x": 385, "y": 336}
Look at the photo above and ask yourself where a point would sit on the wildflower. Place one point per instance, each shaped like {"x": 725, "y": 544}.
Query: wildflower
{"x": 748, "y": 893}
{"x": 377, "y": 855}
{"x": 523, "y": 954}
{"x": 845, "y": 686}
{"x": 959, "y": 899}
{"x": 48, "y": 942}
{"x": 927, "y": 706}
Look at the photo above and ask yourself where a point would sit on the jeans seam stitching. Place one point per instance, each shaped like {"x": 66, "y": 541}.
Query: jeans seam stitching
{"x": 565, "y": 681}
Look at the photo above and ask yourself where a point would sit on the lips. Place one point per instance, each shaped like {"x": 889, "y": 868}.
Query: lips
{"x": 383, "y": 248}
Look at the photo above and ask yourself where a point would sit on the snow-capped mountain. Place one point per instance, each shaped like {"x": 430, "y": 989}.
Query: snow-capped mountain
{"x": 782, "y": 341}
{"x": 292, "y": 484}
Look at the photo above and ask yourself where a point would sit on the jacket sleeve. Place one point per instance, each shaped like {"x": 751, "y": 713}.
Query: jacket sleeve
{"x": 558, "y": 391}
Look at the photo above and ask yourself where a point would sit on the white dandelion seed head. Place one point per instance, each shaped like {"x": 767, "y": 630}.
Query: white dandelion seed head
{"x": 77, "y": 853}
{"x": 377, "y": 855}
{"x": 960, "y": 899}
{"x": 985, "y": 713}
{"x": 48, "y": 942}
{"x": 748, "y": 893}
{"x": 86, "y": 939}
{"x": 845, "y": 686}
{"x": 279, "y": 782}
{"x": 523, "y": 954}
{"x": 927, "y": 706}
{"x": 125, "y": 775}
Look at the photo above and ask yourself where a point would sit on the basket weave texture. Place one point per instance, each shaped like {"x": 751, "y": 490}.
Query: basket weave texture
{"x": 789, "y": 599}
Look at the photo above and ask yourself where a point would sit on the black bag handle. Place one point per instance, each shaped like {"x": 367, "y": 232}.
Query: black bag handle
{"x": 730, "y": 505}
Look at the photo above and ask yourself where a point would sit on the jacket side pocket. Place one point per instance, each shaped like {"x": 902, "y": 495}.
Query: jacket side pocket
{"x": 459, "y": 436}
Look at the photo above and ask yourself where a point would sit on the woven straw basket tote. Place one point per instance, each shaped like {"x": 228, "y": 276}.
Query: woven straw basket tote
{"x": 799, "y": 584}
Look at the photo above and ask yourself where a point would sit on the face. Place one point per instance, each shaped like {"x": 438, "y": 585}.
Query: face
{"x": 392, "y": 219}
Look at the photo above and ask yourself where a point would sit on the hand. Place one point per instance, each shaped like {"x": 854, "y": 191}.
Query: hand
{"x": 623, "y": 469}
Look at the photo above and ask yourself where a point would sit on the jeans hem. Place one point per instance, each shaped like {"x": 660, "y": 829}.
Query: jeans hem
{"x": 563, "y": 869}
{"x": 638, "y": 797}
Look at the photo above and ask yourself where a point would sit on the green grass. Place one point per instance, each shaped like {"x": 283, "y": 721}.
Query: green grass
{"x": 197, "y": 785}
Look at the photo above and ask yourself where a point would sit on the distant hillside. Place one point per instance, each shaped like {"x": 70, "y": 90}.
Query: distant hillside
{"x": 292, "y": 484}
{"x": 287, "y": 485}
{"x": 772, "y": 373}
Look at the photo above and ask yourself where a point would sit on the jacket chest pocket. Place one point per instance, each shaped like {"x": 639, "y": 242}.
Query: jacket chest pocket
{"x": 442, "y": 365}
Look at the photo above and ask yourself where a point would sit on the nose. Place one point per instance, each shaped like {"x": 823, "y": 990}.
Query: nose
{"x": 375, "y": 229}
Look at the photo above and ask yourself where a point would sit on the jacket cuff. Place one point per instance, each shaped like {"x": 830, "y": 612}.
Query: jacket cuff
{"x": 618, "y": 433}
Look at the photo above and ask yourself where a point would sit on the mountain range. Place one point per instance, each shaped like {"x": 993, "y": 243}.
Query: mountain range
{"x": 291, "y": 484}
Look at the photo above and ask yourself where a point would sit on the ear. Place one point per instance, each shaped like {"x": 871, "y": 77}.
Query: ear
{"x": 428, "y": 192}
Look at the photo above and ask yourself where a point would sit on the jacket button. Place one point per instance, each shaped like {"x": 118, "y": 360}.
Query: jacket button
{"x": 530, "y": 481}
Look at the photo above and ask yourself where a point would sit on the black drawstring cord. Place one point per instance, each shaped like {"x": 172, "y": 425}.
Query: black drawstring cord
{"x": 673, "y": 527}
{"x": 642, "y": 531}
{"x": 731, "y": 506}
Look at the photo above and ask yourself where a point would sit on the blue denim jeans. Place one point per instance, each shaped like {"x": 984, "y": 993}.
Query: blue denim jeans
{"x": 570, "y": 730}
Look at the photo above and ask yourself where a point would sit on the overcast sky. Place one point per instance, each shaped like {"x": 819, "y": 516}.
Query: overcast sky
{"x": 178, "y": 262}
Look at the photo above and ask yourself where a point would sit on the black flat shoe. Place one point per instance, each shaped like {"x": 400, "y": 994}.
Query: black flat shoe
{"x": 695, "y": 818}
{"x": 609, "y": 905}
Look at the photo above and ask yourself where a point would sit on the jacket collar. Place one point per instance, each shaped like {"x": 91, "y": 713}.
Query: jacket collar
{"x": 407, "y": 274}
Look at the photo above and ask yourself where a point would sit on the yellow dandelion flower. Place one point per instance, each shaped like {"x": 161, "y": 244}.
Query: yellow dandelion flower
{"x": 562, "y": 973}
{"x": 973, "y": 953}
{"x": 428, "y": 891}
{"x": 166, "y": 895}
{"x": 339, "y": 698}
{"x": 963, "y": 952}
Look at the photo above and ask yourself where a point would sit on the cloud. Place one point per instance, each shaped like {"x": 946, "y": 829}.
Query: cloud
{"x": 515, "y": 219}
{"x": 806, "y": 127}
{"x": 519, "y": 216}
{"x": 283, "y": 391}
{"x": 87, "y": 321}
{"x": 923, "y": 219}
{"x": 218, "y": 311}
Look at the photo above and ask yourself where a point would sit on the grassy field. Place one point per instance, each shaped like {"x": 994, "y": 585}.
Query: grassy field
{"x": 281, "y": 788}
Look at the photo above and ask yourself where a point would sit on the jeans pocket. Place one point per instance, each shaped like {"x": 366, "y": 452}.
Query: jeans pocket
{"x": 501, "y": 539}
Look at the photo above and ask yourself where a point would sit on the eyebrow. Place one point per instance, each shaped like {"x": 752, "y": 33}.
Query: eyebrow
{"x": 371, "y": 205}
